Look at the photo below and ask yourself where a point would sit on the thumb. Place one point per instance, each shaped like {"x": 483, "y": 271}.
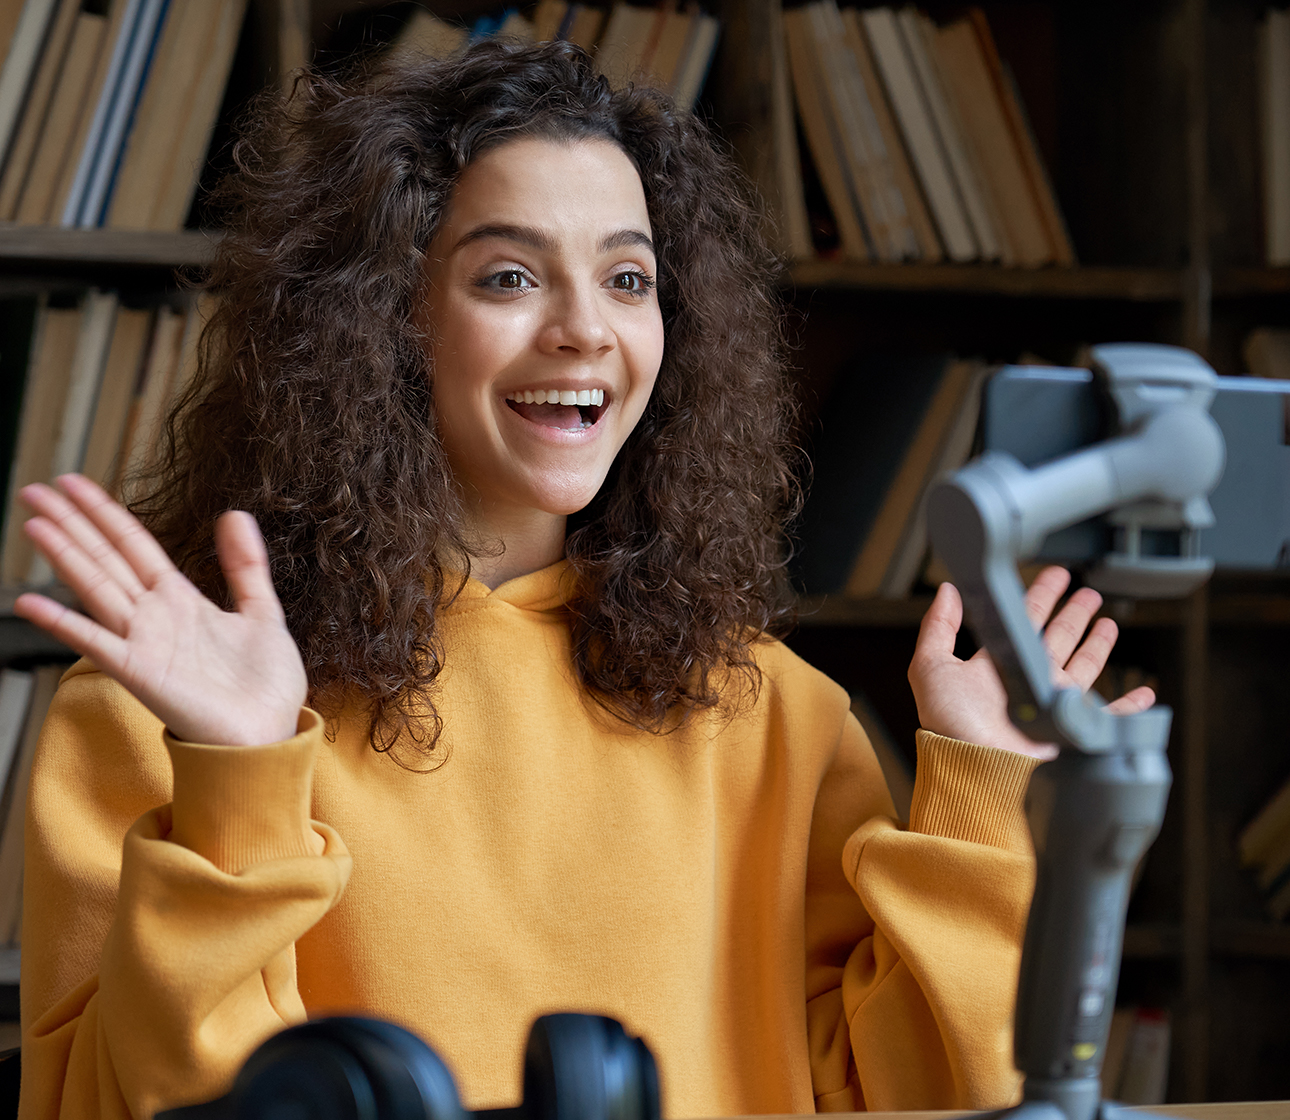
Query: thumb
{"x": 940, "y": 625}
{"x": 245, "y": 563}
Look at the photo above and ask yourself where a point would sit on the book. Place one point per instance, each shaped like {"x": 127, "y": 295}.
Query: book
{"x": 1258, "y": 838}
{"x": 918, "y": 30}
{"x": 822, "y": 136}
{"x": 985, "y": 120}
{"x": 98, "y": 316}
{"x": 1266, "y": 351}
{"x": 138, "y": 27}
{"x": 428, "y": 36}
{"x": 670, "y": 45}
{"x": 155, "y": 386}
{"x": 621, "y": 49}
{"x": 920, "y": 221}
{"x": 1117, "y": 1047}
{"x": 955, "y": 448}
{"x": 22, "y": 37}
{"x": 516, "y": 25}
{"x": 56, "y": 336}
{"x": 548, "y": 18}
{"x": 882, "y": 206}
{"x": 1063, "y": 252}
{"x": 63, "y": 121}
{"x": 84, "y": 133}
{"x": 31, "y": 126}
{"x": 870, "y": 417}
{"x": 778, "y": 173}
{"x": 15, "y": 698}
{"x": 901, "y": 500}
{"x": 102, "y": 459}
{"x": 583, "y": 25}
{"x": 697, "y": 61}
{"x": 44, "y": 684}
{"x": 1145, "y": 1072}
{"x": 922, "y": 141}
{"x": 1273, "y": 57}
{"x": 163, "y": 154}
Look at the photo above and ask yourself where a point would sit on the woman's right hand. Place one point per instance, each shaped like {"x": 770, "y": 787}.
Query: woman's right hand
{"x": 212, "y": 676}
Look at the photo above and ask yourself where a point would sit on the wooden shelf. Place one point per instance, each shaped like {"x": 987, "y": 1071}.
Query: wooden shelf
{"x": 27, "y": 248}
{"x": 1233, "y": 283}
{"x": 839, "y": 611}
{"x": 1226, "y": 608}
{"x": 1150, "y": 285}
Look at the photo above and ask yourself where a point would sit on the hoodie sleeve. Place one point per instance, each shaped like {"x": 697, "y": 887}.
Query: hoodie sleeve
{"x": 165, "y": 886}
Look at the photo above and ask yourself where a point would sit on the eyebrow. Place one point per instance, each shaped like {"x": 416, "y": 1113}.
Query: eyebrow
{"x": 542, "y": 241}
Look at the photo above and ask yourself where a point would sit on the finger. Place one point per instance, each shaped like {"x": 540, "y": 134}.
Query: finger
{"x": 245, "y": 563}
{"x": 73, "y": 629}
{"x": 1138, "y": 700}
{"x": 940, "y": 626}
{"x": 1066, "y": 634}
{"x": 1043, "y": 595}
{"x": 121, "y": 528}
{"x": 97, "y": 591}
{"x": 47, "y": 502}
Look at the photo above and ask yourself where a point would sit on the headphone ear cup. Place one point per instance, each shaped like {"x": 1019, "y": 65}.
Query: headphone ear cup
{"x": 345, "y": 1068}
{"x": 299, "y": 1072}
{"x": 585, "y": 1067}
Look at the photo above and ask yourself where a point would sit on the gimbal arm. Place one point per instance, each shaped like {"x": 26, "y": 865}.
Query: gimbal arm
{"x": 1096, "y": 808}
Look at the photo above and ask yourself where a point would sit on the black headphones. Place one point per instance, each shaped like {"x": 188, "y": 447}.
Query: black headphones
{"x": 576, "y": 1067}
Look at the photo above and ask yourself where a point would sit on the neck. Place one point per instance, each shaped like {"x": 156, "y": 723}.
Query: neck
{"x": 529, "y": 540}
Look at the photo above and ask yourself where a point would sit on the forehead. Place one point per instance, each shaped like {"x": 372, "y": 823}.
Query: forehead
{"x": 565, "y": 185}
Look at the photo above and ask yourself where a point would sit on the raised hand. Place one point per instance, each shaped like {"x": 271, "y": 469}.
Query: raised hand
{"x": 966, "y": 699}
{"x": 212, "y": 676}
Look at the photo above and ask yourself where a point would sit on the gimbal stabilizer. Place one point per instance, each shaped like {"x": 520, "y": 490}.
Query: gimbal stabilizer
{"x": 1095, "y": 809}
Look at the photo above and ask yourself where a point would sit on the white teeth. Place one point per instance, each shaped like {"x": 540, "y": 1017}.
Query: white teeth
{"x": 581, "y": 397}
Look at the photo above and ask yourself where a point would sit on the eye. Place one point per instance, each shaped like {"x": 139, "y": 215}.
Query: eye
{"x": 508, "y": 280}
{"x": 632, "y": 282}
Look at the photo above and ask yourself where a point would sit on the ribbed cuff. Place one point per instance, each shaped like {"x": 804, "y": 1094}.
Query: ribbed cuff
{"x": 963, "y": 791}
{"x": 238, "y": 806}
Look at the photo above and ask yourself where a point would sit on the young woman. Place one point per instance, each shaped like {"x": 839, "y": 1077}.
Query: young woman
{"x": 494, "y": 725}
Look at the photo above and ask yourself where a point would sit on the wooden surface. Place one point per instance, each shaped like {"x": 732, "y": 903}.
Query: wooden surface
{"x": 1215, "y": 1110}
{"x": 1141, "y": 284}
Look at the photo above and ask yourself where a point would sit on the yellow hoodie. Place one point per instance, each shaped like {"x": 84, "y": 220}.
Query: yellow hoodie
{"x": 735, "y": 892}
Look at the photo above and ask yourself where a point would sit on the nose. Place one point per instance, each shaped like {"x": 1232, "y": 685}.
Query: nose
{"x": 576, "y": 322}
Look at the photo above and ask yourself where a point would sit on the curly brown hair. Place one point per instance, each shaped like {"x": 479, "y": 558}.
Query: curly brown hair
{"x": 313, "y": 408}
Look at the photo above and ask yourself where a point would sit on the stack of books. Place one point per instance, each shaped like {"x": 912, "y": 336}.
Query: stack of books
{"x": 1264, "y": 845}
{"x": 919, "y": 140}
{"x": 91, "y": 382}
{"x": 909, "y": 420}
{"x": 106, "y": 111}
{"x": 665, "y": 46}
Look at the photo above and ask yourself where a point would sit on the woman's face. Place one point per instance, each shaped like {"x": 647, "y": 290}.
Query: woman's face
{"x": 545, "y": 325}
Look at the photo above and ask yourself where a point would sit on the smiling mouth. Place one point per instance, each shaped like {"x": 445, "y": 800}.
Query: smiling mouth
{"x": 557, "y": 411}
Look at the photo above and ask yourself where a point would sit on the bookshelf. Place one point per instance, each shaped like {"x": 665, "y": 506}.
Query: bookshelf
{"x": 1144, "y": 115}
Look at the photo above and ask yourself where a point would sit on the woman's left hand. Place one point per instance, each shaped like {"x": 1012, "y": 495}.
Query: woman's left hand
{"x": 965, "y": 699}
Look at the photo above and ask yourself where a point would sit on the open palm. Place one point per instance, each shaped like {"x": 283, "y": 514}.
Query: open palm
{"x": 966, "y": 699}
{"x": 212, "y": 676}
